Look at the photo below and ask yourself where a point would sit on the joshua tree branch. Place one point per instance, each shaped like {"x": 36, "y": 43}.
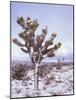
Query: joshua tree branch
{"x": 18, "y": 43}
{"x": 24, "y": 50}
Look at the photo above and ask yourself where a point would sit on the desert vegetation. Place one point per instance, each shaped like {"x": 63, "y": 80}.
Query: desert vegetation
{"x": 52, "y": 81}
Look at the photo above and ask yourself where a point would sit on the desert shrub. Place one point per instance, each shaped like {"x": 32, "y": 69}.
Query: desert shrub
{"x": 60, "y": 63}
{"x": 30, "y": 83}
{"x": 25, "y": 83}
{"x": 44, "y": 88}
{"x": 18, "y": 71}
{"x": 49, "y": 79}
{"x": 28, "y": 78}
{"x": 58, "y": 66}
{"x": 43, "y": 71}
{"x": 47, "y": 82}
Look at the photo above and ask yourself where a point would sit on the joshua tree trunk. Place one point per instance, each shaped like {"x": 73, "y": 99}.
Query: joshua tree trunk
{"x": 36, "y": 77}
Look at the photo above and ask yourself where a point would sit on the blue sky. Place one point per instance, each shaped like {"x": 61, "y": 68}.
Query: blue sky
{"x": 58, "y": 18}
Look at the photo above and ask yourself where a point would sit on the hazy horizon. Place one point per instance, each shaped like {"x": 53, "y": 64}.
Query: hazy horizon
{"x": 46, "y": 60}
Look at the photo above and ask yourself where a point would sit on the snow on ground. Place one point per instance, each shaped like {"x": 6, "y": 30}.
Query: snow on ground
{"x": 61, "y": 83}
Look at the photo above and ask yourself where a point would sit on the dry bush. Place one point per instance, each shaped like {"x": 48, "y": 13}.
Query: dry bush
{"x": 18, "y": 71}
{"x": 43, "y": 70}
{"x": 49, "y": 79}
{"x": 59, "y": 64}
{"x": 58, "y": 67}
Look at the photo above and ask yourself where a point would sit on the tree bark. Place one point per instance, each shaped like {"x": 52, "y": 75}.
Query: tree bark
{"x": 36, "y": 77}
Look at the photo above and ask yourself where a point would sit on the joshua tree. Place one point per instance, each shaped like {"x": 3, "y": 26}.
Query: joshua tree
{"x": 60, "y": 63}
{"x": 35, "y": 45}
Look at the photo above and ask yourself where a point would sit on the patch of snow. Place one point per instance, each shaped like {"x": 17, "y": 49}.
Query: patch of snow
{"x": 61, "y": 85}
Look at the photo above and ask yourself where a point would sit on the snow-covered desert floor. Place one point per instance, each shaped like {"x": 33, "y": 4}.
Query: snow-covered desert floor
{"x": 56, "y": 82}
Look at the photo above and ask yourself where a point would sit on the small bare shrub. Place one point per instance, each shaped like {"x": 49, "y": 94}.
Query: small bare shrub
{"x": 43, "y": 71}
{"x": 18, "y": 71}
{"x": 49, "y": 79}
